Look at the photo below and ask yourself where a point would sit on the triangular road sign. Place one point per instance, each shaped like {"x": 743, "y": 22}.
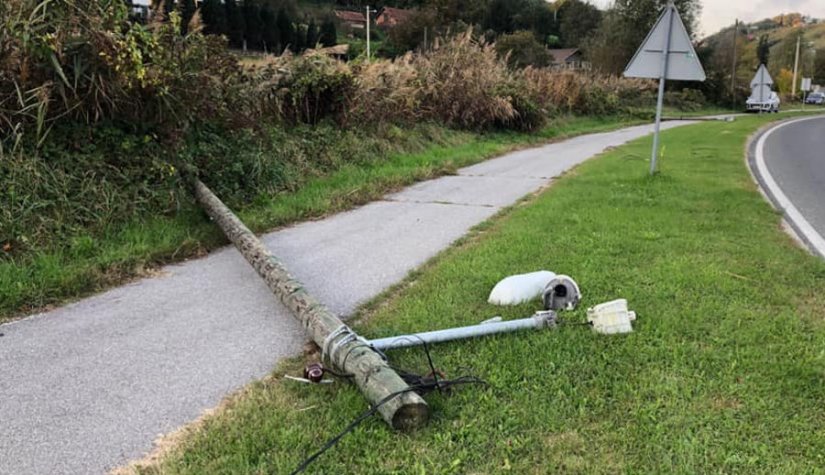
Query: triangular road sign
{"x": 682, "y": 62}
{"x": 762, "y": 77}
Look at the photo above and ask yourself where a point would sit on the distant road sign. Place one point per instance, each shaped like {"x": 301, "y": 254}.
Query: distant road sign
{"x": 761, "y": 86}
{"x": 682, "y": 62}
{"x": 806, "y": 84}
{"x": 762, "y": 77}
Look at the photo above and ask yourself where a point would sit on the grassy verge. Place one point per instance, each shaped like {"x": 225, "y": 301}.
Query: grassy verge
{"x": 671, "y": 112}
{"x": 87, "y": 264}
{"x": 724, "y": 373}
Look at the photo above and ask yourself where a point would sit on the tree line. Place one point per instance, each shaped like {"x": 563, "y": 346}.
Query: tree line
{"x": 251, "y": 25}
{"x": 607, "y": 37}
{"x": 754, "y": 44}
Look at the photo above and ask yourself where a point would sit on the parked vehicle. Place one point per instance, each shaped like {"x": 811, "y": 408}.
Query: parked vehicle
{"x": 817, "y": 98}
{"x": 768, "y": 102}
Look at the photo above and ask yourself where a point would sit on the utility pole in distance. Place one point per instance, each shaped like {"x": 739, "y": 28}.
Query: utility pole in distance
{"x": 795, "y": 67}
{"x": 733, "y": 70}
{"x": 368, "y": 31}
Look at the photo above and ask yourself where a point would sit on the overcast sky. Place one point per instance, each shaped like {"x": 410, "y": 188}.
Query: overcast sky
{"x": 717, "y": 14}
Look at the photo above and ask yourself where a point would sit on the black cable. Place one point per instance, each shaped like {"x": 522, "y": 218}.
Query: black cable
{"x": 372, "y": 410}
{"x": 415, "y": 379}
{"x": 430, "y": 362}
{"x": 352, "y": 425}
{"x": 420, "y": 384}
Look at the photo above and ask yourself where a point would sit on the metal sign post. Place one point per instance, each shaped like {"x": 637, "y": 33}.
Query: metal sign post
{"x": 666, "y": 53}
{"x": 763, "y": 71}
{"x": 806, "y": 87}
{"x": 660, "y": 99}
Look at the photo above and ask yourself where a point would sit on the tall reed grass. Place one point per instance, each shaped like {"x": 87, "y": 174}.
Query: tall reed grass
{"x": 130, "y": 105}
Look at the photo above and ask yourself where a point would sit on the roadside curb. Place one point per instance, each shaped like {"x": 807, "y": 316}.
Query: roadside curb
{"x": 773, "y": 192}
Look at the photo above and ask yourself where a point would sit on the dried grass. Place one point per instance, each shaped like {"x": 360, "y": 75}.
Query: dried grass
{"x": 459, "y": 83}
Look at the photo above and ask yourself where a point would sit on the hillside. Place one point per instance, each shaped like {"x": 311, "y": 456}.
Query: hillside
{"x": 781, "y": 33}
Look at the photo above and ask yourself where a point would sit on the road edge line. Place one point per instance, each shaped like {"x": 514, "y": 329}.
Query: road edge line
{"x": 756, "y": 161}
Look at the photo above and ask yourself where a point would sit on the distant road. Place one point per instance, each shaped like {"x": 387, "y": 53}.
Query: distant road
{"x": 789, "y": 161}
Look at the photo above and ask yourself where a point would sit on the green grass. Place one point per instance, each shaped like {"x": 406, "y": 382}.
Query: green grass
{"x": 725, "y": 372}
{"x": 87, "y": 264}
{"x": 674, "y": 112}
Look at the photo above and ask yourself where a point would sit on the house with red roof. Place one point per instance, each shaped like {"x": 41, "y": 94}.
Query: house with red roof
{"x": 569, "y": 58}
{"x": 389, "y": 17}
{"x": 351, "y": 18}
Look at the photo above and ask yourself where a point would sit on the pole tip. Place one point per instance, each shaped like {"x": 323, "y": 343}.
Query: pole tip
{"x": 411, "y": 415}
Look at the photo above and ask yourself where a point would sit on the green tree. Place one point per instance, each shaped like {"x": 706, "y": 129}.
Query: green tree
{"x": 540, "y": 20}
{"x": 252, "y": 19}
{"x": 312, "y": 34}
{"x": 507, "y": 16}
{"x": 523, "y": 49}
{"x": 213, "y": 14}
{"x": 785, "y": 52}
{"x": 500, "y": 14}
{"x": 640, "y": 15}
{"x": 168, "y": 7}
{"x": 299, "y": 37}
{"x": 187, "y": 9}
{"x": 286, "y": 31}
{"x": 236, "y": 27}
{"x": 164, "y": 6}
{"x": 410, "y": 34}
{"x": 625, "y": 26}
{"x": 819, "y": 67}
{"x": 451, "y": 11}
{"x": 763, "y": 50}
{"x": 269, "y": 31}
{"x": 328, "y": 36}
{"x": 577, "y": 22}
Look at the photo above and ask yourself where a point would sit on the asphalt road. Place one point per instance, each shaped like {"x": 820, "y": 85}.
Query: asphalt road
{"x": 87, "y": 387}
{"x": 794, "y": 155}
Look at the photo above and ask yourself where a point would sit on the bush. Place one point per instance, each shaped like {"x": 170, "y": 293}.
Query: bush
{"x": 85, "y": 61}
{"x": 597, "y": 100}
{"x": 315, "y": 87}
{"x": 522, "y": 49}
{"x": 528, "y": 115}
{"x": 410, "y": 34}
{"x": 458, "y": 83}
{"x": 686, "y": 99}
{"x": 385, "y": 91}
{"x": 84, "y": 179}
{"x": 89, "y": 179}
{"x": 584, "y": 93}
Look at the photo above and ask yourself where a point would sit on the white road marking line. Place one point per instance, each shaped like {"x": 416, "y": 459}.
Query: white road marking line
{"x": 814, "y": 239}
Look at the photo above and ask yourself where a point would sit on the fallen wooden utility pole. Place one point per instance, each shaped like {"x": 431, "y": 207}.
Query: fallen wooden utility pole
{"x": 401, "y": 407}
